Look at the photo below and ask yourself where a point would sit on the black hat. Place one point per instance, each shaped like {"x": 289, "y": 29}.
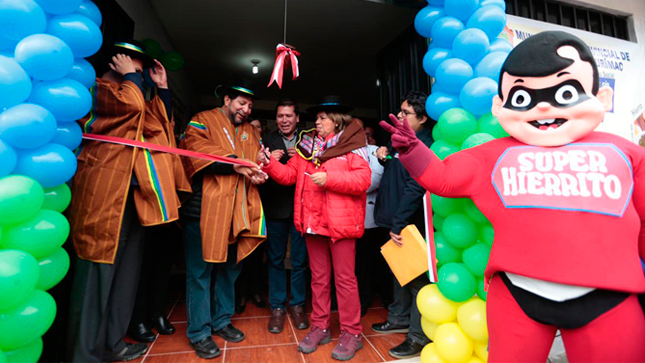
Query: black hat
{"x": 330, "y": 104}
{"x": 135, "y": 50}
{"x": 224, "y": 90}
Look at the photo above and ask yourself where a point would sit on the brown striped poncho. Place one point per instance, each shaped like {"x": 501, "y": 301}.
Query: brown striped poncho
{"x": 231, "y": 207}
{"x": 103, "y": 178}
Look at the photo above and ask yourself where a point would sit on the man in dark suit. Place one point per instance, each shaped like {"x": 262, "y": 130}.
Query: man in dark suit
{"x": 278, "y": 206}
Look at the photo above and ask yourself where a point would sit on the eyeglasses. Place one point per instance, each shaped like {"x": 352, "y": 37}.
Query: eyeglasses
{"x": 406, "y": 113}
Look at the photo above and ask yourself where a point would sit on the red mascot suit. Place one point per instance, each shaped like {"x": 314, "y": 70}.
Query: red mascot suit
{"x": 567, "y": 204}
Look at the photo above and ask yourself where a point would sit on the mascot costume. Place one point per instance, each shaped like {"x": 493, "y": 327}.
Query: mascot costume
{"x": 567, "y": 204}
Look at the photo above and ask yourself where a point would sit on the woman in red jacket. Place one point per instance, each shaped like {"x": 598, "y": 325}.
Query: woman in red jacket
{"x": 331, "y": 176}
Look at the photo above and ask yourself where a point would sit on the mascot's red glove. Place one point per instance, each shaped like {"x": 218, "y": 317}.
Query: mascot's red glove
{"x": 414, "y": 154}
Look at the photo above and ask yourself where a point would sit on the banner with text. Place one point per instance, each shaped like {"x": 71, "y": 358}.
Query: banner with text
{"x": 620, "y": 66}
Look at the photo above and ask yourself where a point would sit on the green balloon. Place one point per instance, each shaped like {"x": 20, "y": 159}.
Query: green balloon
{"x": 474, "y": 213}
{"x": 481, "y": 293}
{"x": 476, "y": 258}
{"x": 489, "y": 124}
{"x": 476, "y": 140}
{"x": 456, "y": 282}
{"x": 447, "y": 206}
{"x": 445, "y": 253}
{"x": 20, "y": 199}
{"x": 29, "y": 353}
{"x": 456, "y": 125}
{"x": 52, "y": 269}
{"x": 19, "y": 274}
{"x": 460, "y": 231}
{"x": 443, "y": 149}
{"x": 436, "y": 134}
{"x": 437, "y": 221}
{"x": 57, "y": 198}
{"x": 172, "y": 60}
{"x": 486, "y": 234}
{"x": 3, "y": 359}
{"x": 27, "y": 321}
{"x": 153, "y": 48}
{"x": 40, "y": 235}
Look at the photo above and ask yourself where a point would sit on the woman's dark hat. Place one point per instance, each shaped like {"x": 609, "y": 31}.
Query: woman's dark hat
{"x": 223, "y": 90}
{"x": 330, "y": 104}
{"x": 135, "y": 50}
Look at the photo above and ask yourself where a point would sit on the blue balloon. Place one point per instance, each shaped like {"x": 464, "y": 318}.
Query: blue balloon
{"x": 477, "y": 95}
{"x": 44, "y": 56}
{"x": 8, "y": 159}
{"x": 49, "y": 165}
{"x": 18, "y": 19}
{"x": 83, "y": 72}
{"x": 78, "y": 31}
{"x": 27, "y": 126}
{"x": 470, "y": 45}
{"x": 453, "y": 73}
{"x": 59, "y": 6}
{"x": 499, "y": 3}
{"x": 68, "y": 134}
{"x": 491, "y": 19}
{"x": 436, "y": 2}
{"x": 68, "y": 100}
{"x": 445, "y": 30}
{"x": 433, "y": 58}
{"x": 89, "y": 9}
{"x": 501, "y": 45}
{"x": 426, "y": 18}
{"x": 15, "y": 84}
{"x": 439, "y": 102}
{"x": 438, "y": 87}
{"x": 491, "y": 65}
{"x": 461, "y": 9}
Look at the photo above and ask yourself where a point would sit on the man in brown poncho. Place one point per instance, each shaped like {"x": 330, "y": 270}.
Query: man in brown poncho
{"x": 117, "y": 190}
{"x": 223, "y": 221}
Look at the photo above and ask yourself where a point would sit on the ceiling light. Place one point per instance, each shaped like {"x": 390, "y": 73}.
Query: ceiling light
{"x": 255, "y": 66}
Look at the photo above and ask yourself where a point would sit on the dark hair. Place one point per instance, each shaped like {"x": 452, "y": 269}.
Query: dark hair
{"x": 538, "y": 56}
{"x": 417, "y": 100}
{"x": 288, "y": 102}
{"x": 253, "y": 118}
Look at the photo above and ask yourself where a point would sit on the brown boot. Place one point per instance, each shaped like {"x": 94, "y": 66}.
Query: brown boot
{"x": 299, "y": 317}
{"x": 276, "y": 323}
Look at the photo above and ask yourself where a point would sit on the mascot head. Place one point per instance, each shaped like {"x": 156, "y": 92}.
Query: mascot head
{"x": 548, "y": 91}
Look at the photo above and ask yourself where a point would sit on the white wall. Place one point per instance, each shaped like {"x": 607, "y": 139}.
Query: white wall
{"x": 635, "y": 9}
{"x": 147, "y": 25}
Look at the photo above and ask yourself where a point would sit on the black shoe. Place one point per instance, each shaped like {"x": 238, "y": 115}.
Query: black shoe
{"x": 206, "y": 348}
{"x": 141, "y": 333}
{"x": 164, "y": 327}
{"x": 407, "y": 349}
{"x": 257, "y": 300}
{"x": 387, "y": 328}
{"x": 230, "y": 334}
{"x": 130, "y": 352}
{"x": 240, "y": 308}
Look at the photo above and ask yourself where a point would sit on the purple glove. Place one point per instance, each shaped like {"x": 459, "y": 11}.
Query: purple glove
{"x": 403, "y": 137}
{"x": 414, "y": 155}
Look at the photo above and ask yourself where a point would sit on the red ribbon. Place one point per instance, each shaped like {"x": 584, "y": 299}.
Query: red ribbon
{"x": 167, "y": 149}
{"x": 284, "y": 54}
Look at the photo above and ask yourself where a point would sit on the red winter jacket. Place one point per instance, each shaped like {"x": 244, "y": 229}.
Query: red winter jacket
{"x": 336, "y": 210}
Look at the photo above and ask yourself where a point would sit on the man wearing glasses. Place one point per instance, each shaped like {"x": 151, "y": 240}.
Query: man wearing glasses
{"x": 399, "y": 203}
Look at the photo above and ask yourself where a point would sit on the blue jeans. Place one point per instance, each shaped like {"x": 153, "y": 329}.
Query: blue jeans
{"x": 210, "y": 287}
{"x": 277, "y": 232}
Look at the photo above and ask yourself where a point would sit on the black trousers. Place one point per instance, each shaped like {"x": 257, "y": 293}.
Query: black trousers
{"x": 253, "y": 274}
{"x": 103, "y": 296}
{"x": 159, "y": 253}
{"x": 373, "y": 273}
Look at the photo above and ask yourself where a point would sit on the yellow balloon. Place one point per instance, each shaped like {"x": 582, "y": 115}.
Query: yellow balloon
{"x": 472, "y": 319}
{"x": 429, "y": 354}
{"x": 453, "y": 345}
{"x": 429, "y": 328}
{"x": 481, "y": 350}
{"x": 434, "y": 306}
{"x": 474, "y": 359}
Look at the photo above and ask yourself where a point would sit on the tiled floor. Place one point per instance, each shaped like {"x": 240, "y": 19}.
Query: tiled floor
{"x": 261, "y": 346}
